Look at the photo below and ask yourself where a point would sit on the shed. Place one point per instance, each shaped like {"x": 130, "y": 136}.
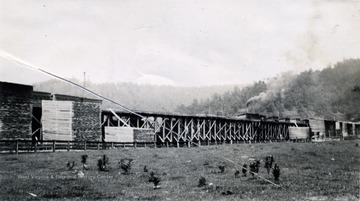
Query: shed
{"x": 323, "y": 128}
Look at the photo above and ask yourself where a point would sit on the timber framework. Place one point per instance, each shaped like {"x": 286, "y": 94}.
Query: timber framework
{"x": 183, "y": 129}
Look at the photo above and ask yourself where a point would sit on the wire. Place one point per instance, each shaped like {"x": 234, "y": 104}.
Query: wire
{"x": 24, "y": 64}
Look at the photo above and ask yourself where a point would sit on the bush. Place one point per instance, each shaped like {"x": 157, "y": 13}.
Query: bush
{"x": 202, "y": 182}
{"x": 84, "y": 159}
{"x": 102, "y": 162}
{"x": 125, "y": 165}
{"x": 222, "y": 168}
{"x": 70, "y": 165}
{"x": 155, "y": 180}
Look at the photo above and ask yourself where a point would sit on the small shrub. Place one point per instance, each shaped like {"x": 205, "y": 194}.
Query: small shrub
{"x": 276, "y": 172}
{"x": 228, "y": 192}
{"x": 125, "y": 165}
{"x": 84, "y": 162}
{"x": 202, "y": 182}
{"x": 84, "y": 159}
{"x": 221, "y": 168}
{"x": 70, "y": 165}
{"x": 155, "y": 180}
{"x": 254, "y": 167}
{"x": 102, "y": 162}
{"x": 152, "y": 175}
{"x": 269, "y": 160}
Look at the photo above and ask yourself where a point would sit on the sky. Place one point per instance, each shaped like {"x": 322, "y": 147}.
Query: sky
{"x": 173, "y": 42}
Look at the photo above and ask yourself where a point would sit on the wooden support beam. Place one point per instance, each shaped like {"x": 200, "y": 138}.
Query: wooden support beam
{"x": 112, "y": 111}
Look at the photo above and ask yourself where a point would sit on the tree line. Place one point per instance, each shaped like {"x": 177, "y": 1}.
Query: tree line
{"x": 331, "y": 93}
{"x": 153, "y": 98}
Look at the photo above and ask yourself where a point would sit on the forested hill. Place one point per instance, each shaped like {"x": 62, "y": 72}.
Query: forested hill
{"x": 332, "y": 93}
{"x": 137, "y": 97}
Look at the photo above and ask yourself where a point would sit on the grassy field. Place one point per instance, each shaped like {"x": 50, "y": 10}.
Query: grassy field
{"x": 309, "y": 171}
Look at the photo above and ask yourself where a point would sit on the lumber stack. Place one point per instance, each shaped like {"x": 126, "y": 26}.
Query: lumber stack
{"x": 144, "y": 135}
{"x": 86, "y": 121}
{"x": 15, "y": 111}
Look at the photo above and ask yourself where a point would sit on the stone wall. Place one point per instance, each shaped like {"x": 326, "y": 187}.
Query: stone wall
{"x": 15, "y": 111}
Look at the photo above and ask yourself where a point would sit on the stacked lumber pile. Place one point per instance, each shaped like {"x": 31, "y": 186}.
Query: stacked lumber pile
{"x": 86, "y": 121}
{"x": 57, "y": 120}
{"x": 15, "y": 111}
{"x": 144, "y": 135}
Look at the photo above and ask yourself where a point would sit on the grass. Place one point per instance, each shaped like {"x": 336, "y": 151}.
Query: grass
{"x": 309, "y": 171}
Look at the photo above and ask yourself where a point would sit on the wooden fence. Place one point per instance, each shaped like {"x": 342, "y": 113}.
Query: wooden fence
{"x": 27, "y": 146}
{"x": 24, "y": 146}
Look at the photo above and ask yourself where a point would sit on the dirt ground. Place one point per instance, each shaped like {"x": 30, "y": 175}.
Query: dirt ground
{"x": 308, "y": 171}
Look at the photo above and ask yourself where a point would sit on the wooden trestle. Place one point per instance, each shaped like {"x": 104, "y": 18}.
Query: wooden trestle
{"x": 178, "y": 130}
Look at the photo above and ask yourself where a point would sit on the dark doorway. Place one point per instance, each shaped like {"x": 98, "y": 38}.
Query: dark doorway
{"x": 36, "y": 123}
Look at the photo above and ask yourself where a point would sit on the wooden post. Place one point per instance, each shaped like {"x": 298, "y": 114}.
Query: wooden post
{"x": 17, "y": 147}
{"x": 135, "y": 144}
{"x": 53, "y": 145}
{"x": 84, "y": 145}
{"x": 35, "y": 147}
{"x": 98, "y": 146}
{"x": 68, "y": 146}
{"x": 112, "y": 144}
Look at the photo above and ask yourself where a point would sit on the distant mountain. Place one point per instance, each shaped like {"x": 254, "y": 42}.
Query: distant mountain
{"x": 332, "y": 93}
{"x": 158, "y": 98}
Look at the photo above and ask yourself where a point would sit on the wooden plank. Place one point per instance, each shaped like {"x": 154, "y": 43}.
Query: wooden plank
{"x": 119, "y": 134}
{"x": 57, "y": 120}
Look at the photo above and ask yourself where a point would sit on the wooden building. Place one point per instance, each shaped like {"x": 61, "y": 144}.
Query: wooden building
{"x": 70, "y": 118}
{"x": 322, "y": 129}
{"x": 25, "y": 114}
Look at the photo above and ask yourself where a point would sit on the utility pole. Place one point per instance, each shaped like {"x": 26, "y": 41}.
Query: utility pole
{"x": 84, "y": 85}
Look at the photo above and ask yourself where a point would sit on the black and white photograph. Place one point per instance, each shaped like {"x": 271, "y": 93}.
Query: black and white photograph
{"x": 174, "y": 100}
